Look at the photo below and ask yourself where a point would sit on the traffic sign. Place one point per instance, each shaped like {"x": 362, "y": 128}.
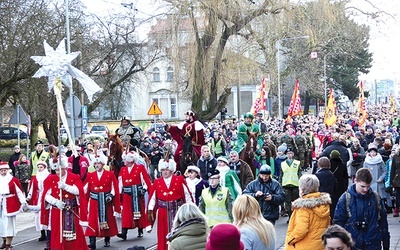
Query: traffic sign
{"x": 19, "y": 116}
{"x": 84, "y": 120}
{"x": 154, "y": 109}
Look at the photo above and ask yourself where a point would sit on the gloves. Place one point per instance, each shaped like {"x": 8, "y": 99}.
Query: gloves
{"x": 60, "y": 204}
{"x": 109, "y": 197}
{"x": 25, "y": 207}
{"x": 355, "y": 154}
{"x": 150, "y": 216}
{"x": 61, "y": 185}
{"x": 83, "y": 224}
{"x": 117, "y": 215}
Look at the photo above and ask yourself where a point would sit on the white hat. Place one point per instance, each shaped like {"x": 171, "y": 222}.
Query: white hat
{"x": 170, "y": 164}
{"x": 194, "y": 168}
{"x": 41, "y": 163}
{"x": 221, "y": 158}
{"x": 131, "y": 157}
{"x": 54, "y": 163}
{"x": 4, "y": 165}
{"x": 100, "y": 159}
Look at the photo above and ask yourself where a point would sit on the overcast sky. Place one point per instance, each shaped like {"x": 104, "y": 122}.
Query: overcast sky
{"x": 384, "y": 39}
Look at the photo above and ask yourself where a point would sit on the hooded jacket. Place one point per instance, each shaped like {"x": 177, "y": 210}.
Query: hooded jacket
{"x": 309, "y": 220}
{"x": 363, "y": 208}
{"x": 190, "y": 235}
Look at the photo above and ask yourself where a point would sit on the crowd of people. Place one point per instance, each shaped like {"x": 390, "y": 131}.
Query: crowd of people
{"x": 334, "y": 184}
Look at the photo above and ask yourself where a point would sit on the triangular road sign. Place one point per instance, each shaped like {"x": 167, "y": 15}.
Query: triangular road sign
{"x": 19, "y": 116}
{"x": 154, "y": 109}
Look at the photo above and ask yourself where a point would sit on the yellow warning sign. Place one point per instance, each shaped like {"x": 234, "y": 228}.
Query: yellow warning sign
{"x": 154, "y": 109}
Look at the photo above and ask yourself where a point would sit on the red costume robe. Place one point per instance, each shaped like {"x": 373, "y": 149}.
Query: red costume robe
{"x": 195, "y": 130}
{"x": 96, "y": 189}
{"x": 172, "y": 197}
{"x": 129, "y": 178}
{"x": 35, "y": 192}
{"x": 71, "y": 223}
{"x": 12, "y": 201}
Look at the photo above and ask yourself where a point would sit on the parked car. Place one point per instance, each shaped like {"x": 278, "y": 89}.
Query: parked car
{"x": 100, "y": 130}
{"x": 158, "y": 127}
{"x": 9, "y": 133}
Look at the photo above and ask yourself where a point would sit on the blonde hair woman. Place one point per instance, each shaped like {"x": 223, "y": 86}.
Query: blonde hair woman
{"x": 256, "y": 232}
{"x": 189, "y": 230}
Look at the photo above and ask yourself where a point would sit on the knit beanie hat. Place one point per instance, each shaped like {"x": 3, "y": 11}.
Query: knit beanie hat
{"x": 282, "y": 148}
{"x": 334, "y": 154}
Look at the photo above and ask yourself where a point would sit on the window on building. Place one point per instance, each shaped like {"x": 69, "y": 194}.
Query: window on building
{"x": 170, "y": 74}
{"x": 173, "y": 107}
{"x": 156, "y": 74}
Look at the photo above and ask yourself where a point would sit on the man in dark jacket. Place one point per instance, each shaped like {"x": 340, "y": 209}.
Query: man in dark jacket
{"x": 156, "y": 154}
{"x": 206, "y": 163}
{"x": 336, "y": 145}
{"x": 268, "y": 193}
{"x": 241, "y": 168}
{"x": 14, "y": 157}
{"x": 362, "y": 213}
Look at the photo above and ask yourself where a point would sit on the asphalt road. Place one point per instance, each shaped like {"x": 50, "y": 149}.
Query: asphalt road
{"x": 27, "y": 236}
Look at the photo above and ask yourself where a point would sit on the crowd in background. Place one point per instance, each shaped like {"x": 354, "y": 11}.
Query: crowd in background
{"x": 223, "y": 186}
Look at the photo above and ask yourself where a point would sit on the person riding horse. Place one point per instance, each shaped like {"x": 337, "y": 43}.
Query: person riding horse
{"x": 128, "y": 133}
{"x": 248, "y": 127}
{"x": 192, "y": 128}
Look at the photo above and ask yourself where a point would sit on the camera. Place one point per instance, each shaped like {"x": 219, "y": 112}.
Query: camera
{"x": 265, "y": 195}
{"x": 361, "y": 224}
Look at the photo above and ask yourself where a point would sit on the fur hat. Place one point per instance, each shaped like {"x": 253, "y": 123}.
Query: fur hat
{"x": 54, "y": 163}
{"x": 131, "y": 157}
{"x": 248, "y": 115}
{"x": 190, "y": 113}
{"x": 100, "y": 159}
{"x": 194, "y": 168}
{"x": 221, "y": 158}
{"x": 41, "y": 163}
{"x": 169, "y": 164}
{"x": 4, "y": 165}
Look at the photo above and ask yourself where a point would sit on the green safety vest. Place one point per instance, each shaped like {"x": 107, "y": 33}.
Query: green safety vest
{"x": 290, "y": 173}
{"x": 34, "y": 159}
{"x": 215, "y": 207}
{"x": 216, "y": 148}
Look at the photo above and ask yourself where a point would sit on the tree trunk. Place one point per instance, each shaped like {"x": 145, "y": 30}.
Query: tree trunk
{"x": 307, "y": 101}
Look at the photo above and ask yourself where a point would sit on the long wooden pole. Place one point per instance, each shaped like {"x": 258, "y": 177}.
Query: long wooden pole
{"x": 59, "y": 168}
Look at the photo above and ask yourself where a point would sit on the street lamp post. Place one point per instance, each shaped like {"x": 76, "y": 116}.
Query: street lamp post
{"x": 278, "y": 46}
{"x": 325, "y": 87}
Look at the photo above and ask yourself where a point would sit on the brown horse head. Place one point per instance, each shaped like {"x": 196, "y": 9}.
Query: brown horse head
{"x": 115, "y": 147}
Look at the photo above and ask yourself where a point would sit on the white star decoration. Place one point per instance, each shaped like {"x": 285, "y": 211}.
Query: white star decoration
{"x": 57, "y": 64}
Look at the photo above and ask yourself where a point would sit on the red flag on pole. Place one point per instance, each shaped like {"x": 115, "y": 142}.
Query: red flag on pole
{"x": 295, "y": 103}
{"x": 259, "y": 103}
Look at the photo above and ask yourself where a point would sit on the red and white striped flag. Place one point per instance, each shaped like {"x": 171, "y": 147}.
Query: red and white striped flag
{"x": 259, "y": 103}
{"x": 295, "y": 103}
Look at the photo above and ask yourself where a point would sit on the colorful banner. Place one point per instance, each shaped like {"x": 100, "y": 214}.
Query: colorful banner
{"x": 259, "y": 103}
{"x": 330, "y": 111}
{"x": 295, "y": 103}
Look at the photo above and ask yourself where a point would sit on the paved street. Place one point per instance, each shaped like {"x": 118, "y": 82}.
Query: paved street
{"x": 27, "y": 237}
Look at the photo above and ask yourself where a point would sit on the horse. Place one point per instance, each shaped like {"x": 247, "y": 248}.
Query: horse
{"x": 188, "y": 156}
{"x": 114, "y": 153}
{"x": 249, "y": 152}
